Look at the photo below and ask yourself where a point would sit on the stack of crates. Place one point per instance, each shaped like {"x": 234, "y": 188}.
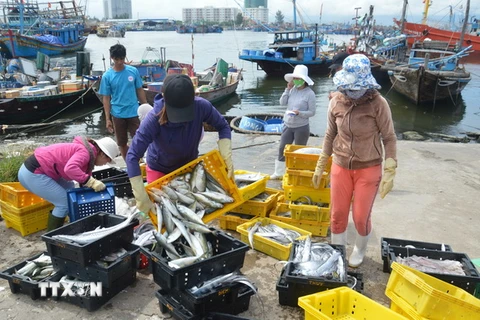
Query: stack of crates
{"x": 23, "y": 210}
{"x": 119, "y": 178}
{"x": 298, "y": 186}
{"x": 176, "y": 298}
{"x": 83, "y": 202}
{"x": 80, "y": 261}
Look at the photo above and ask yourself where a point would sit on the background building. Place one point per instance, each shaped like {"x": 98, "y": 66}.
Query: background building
{"x": 117, "y": 9}
{"x": 256, "y": 3}
{"x": 257, "y": 14}
{"x": 209, "y": 14}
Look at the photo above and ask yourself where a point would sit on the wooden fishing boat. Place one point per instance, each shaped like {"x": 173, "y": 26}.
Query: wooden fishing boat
{"x": 250, "y": 123}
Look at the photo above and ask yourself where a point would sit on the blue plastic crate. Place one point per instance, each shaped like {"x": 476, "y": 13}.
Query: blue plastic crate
{"x": 83, "y": 202}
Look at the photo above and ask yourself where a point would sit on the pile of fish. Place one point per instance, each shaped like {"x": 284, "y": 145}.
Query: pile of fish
{"x": 219, "y": 282}
{"x": 180, "y": 206}
{"x": 245, "y": 179}
{"x": 107, "y": 260}
{"x": 304, "y": 200}
{"x": 37, "y": 269}
{"x": 425, "y": 264}
{"x": 272, "y": 232}
{"x": 317, "y": 260}
{"x": 309, "y": 150}
{"x": 78, "y": 287}
{"x": 142, "y": 235}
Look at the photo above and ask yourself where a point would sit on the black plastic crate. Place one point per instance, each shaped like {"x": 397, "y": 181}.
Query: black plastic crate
{"x": 178, "y": 311}
{"x": 94, "y": 303}
{"x": 288, "y": 293}
{"x": 214, "y": 300}
{"x": 85, "y": 254}
{"x": 21, "y": 284}
{"x": 108, "y": 173}
{"x": 468, "y": 282}
{"x": 223, "y": 316}
{"x": 228, "y": 256}
{"x": 392, "y": 242}
{"x": 96, "y": 273}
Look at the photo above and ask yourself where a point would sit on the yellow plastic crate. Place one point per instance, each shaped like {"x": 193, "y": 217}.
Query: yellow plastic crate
{"x": 143, "y": 170}
{"x": 33, "y": 218}
{"x": 215, "y": 166}
{"x": 253, "y": 189}
{"x": 309, "y": 212}
{"x": 317, "y": 228}
{"x": 303, "y": 178}
{"x": 344, "y": 303}
{"x": 422, "y": 296}
{"x": 267, "y": 246}
{"x": 231, "y": 222}
{"x": 260, "y": 208}
{"x": 302, "y": 161}
{"x": 16, "y": 195}
{"x": 293, "y": 193}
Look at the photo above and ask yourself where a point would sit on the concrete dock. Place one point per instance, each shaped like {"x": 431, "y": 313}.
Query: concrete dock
{"x": 435, "y": 199}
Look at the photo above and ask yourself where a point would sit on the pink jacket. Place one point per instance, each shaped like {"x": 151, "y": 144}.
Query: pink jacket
{"x": 65, "y": 160}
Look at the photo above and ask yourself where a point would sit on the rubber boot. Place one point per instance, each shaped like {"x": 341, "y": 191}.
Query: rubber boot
{"x": 356, "y": 258}
{"x": 339, "y": 238}
{"x": 279, "y": 170}
{"x": 54, "y": 222}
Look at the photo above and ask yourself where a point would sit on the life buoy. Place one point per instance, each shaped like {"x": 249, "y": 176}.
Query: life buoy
{"x": 425, "y": 32}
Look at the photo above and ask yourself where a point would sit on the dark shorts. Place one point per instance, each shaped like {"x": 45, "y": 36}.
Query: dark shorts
{"x": 123, "y": 126}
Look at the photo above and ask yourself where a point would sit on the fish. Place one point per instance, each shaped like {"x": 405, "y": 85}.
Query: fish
{"x": 218, "y": 196}
{"x": 207, "y": 201}
{"x": 189, "y": 214}
{"x": 252, "y": 231}
{"x": 163, "y": 242}
{"x": 249, "y": 177}
{"x": 309, "y": 150}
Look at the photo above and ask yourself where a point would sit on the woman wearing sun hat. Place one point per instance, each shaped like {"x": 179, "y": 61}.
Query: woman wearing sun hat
{"x": 359, "y": 120}
{"x": 300, "y": 101}
{"x": 51, "y": 170}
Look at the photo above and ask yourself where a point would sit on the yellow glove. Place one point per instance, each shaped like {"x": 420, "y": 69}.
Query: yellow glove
{"x": 386, "y": 184}
{"x": 95, "y": 184}
{"x": 144, "y": 204}
{"x": 319, "y": 169}
{"x": 225, "y": 148}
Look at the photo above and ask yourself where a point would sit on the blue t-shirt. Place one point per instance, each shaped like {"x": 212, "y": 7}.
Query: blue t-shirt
{"x": 121, "y": 86}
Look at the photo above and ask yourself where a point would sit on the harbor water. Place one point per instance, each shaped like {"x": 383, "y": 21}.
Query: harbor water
{"x": 258, "y": 93}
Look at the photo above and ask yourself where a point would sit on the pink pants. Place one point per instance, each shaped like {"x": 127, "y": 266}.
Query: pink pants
{"x": 360, "y": 184}
{"x": 153, "y": 175}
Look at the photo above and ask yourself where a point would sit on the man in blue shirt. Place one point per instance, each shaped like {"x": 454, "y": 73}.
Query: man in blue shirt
{"x": 121, "y": 87}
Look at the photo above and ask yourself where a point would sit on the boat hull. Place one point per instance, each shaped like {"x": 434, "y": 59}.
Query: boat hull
{"x": 27, "y": 46}
{"x": 420, "y": 32}
{"x": 35, "y": 109}
{"x": 427, "y": 86}
{"x": 280, "y": 66}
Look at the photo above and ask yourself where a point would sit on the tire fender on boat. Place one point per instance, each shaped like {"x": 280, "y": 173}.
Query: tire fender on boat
{"x": 425, "y": 32}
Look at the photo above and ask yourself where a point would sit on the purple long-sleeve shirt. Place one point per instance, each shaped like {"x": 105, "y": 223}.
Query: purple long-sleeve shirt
{"x": 172, "y": 145}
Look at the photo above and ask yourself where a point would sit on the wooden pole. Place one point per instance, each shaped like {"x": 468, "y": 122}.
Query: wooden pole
{"x": 404, "y": 10}
{"x": 464, "y": 26}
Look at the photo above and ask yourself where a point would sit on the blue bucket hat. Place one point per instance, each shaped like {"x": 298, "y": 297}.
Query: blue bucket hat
{"x": 356, "y": 74}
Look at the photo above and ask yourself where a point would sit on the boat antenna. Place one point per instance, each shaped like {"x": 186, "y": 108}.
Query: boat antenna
{"x": 294, "y": 15}
{"x": 193, "y": 54}
{"x": 464, "y": 26}
{"x": 104, "y": 67}
{"x": 404, "y": 10}
{"x": 356, "y": 22}
{"x": 425, "y": 11}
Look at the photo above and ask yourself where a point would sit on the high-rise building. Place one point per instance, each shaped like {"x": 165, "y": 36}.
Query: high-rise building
{"x": 117, "y": 9}
{"x": 256, "y": 3}
{"x": 209, "y": 14}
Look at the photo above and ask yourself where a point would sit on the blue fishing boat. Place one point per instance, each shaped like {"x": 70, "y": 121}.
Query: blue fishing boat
{"x": 291, "y": 48}
{"x": 30, "y": 28}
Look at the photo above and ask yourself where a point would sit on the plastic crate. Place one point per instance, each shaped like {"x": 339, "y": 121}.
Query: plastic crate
{"x": 222, "y": 316}
{"x": 303, "y": 178}
{"x": 120, "y": 180}
{"x": 228, "y": 256}
{"x": 267, "y": 246}
{"x": 301, "y": 161}
{"x": 26, "y": 220}
{"x": 219, "y": 299}
{"x": 178, "y": 311}
{"x": 260, "y": 208}
{"x": 468, "y": 282}
{"x": 293, "y": 193}
{"x": 95, "y": 303}
{"x": 315, "y": 227}
{"x": 21, "y": 284}
{"x": 392, "y": 242}
{"x": 16, "y": 195}
{"x": 85, "y": 254}
{"x": 96, "y": 273}
{"x": 215, "y": 166}
{"x": 424, "y": 297}
{"x": 344, "y": 303}
{"x": 230, "y": 221}
{"x": 83, "y": 202}
{"x": 255, "y": 188}
{"x": 108, "y": 174}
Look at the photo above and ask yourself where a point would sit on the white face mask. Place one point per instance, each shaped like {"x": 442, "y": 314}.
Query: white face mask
{"x": 355, "y": 94}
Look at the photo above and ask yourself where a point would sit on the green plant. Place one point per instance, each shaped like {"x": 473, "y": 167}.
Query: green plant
{"x": 10, "y": 164}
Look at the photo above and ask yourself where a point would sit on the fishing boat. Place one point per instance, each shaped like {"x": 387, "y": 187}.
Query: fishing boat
{"x": 290, "y": 48}
{"x": 31, "y": 28}
{"x": 259, "y": 123}
{"x": 422, "y": 31}
{"x": 432, "y": 73}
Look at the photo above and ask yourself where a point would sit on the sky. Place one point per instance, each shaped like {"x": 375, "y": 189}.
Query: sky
{"x": 333, "y": 10}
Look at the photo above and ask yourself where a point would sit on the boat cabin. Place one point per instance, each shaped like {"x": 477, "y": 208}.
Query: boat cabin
{"x": 438, "y": 55}
{"x": 299, "y": 44}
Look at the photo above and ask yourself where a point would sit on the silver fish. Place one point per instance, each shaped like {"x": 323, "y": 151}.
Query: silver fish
{"x": 218, "y": 197}
{"x": 252, "y": 231}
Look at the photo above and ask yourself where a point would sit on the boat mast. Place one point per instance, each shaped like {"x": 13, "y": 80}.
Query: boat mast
{"x": 464, "y": 26}
{"x": 425, "y": 11}
{"x": 294, "y": 15}
{"x": 404, "y": 10}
